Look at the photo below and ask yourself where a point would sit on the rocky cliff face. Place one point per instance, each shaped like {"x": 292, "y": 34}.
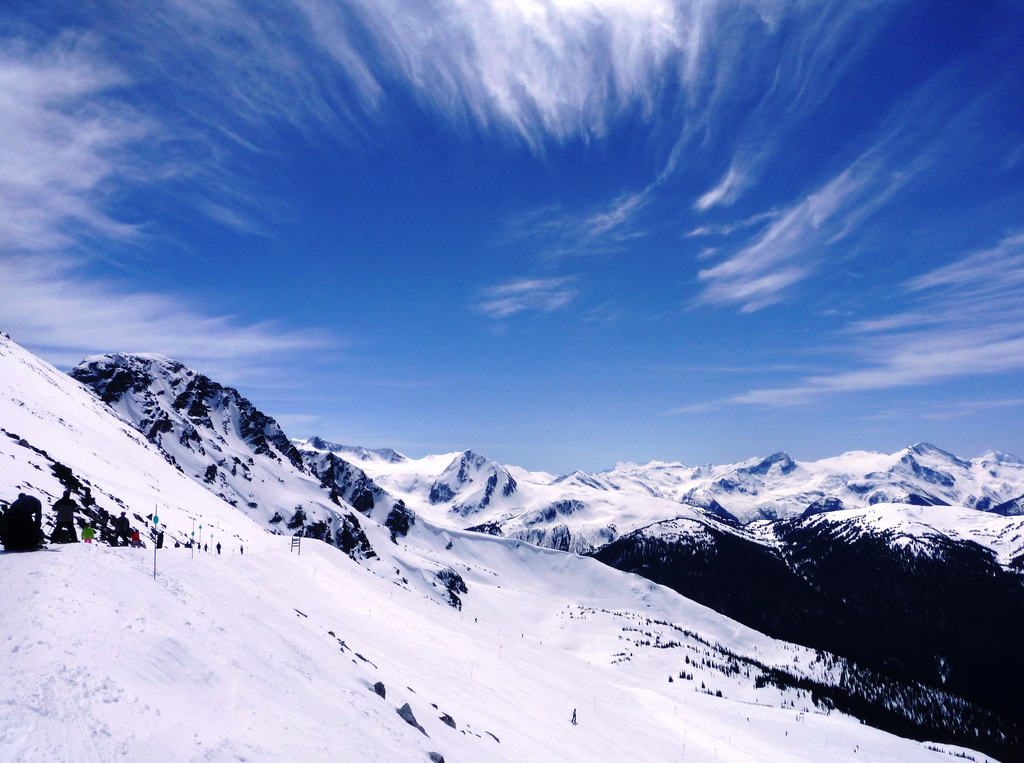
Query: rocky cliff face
{"x": 218, "y": 438}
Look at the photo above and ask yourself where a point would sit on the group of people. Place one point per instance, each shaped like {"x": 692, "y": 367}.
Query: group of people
{"x": 21, "y": 525}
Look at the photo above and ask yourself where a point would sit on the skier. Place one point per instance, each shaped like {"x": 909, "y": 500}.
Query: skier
{"x": 574, "y": 716}
{"x": 122, "y": 527}
{"x": 21, "y": 529}
{"x": 241, "y": 550}
{"x": 88, "y": 533}
{"x": 65, "y": 510}
{"x": 218, "y": 548}
{"x": 136, "y": 540}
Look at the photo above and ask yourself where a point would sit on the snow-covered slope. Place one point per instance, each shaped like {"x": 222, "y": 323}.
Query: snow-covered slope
{"x": 54, "y": 434}
{"x": 274, "y": 654}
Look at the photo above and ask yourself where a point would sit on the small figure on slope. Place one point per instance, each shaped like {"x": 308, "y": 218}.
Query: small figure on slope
{"x": 64, "y": 529}
{"x": 574, "y": 716}
{"x": 88, "y": 533}
{"x": 122, "y": 529}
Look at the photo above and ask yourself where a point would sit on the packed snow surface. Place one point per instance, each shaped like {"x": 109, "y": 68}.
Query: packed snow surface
{"x": 273, "y": 655}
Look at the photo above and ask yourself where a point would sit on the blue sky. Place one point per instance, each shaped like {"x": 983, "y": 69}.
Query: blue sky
{"x": 563, "y": 233}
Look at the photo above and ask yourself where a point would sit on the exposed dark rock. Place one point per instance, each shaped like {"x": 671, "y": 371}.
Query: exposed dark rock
{"x": 196, "y": 396}
{"x": 441, "y": 493}
{"x": 379, "y": 690}
{"x": 488, "y": 528}
{"x": 454, "y": 585}
{"x": 399, "y": 520}
{"x": 917, "y": 499}
{"x": 435, "y": 757}
{"x": 824, "y": 506}
{"x": 406, "y": 714}
{"x": 351, "y": 538}
{"x": 344, "y": 481}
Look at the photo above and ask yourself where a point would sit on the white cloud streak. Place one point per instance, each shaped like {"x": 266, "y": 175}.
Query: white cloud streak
{"x": 966, "y": 319}
{"x": 726, "y": 192}
{"x": 544, "y": 295}
{"x": 790, "y": 248}
{"x": 63, "y": 143}
{"x": 49, "y": 307}
{"x": 558, "y": 234}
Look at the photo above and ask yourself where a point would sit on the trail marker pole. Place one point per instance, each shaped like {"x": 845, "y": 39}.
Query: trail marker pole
{"x": 156, "y": 521}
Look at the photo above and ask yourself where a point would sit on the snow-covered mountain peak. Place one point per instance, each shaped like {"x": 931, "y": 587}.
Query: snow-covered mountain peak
{"x": 927, "y": 451}
{"x": 220, "y": 439}
{"x": 776, "y": 464}
{"x": 472, "y": 483}
{"x": 164, "y": 397}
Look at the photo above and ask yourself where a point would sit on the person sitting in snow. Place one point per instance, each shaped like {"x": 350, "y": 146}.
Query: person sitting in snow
{"x": 21, "y": 528}
{"x": 88, "y": 534}
{"x": 136, "y": 540}
{"x": 122, "y": 528}
{"x": 65, "y": 525}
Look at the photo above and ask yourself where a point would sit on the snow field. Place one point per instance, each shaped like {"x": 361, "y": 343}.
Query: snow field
{"x": 230, "y": 658}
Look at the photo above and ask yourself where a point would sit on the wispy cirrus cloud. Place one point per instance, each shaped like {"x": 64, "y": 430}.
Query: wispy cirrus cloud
{"x": 541, "y": 69}
{"x": 964, "y": 319}
{"x": 556, "y": 233}
{"x": 64, "y": 144}
{"x": 49, "y": 306}
{"x": 725, "y": 192}
{"x": 790, "y": 248}
{"x": 526, "y": 295}
{"x": 964, "y": 408}
{"x": 218, "y": 77}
